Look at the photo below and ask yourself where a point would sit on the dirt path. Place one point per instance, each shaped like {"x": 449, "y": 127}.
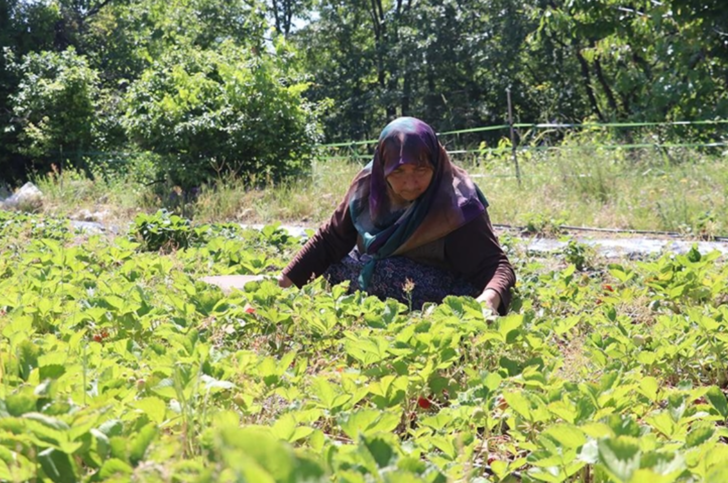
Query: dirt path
{"x": 610, "y": 247}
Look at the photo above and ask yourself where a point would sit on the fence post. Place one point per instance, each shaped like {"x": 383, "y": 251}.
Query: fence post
{"x": 62, "y": 163}
{"x": 513, "y": 136}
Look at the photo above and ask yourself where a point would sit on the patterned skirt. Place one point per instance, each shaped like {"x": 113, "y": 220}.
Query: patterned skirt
{"x": 394, "y": 277}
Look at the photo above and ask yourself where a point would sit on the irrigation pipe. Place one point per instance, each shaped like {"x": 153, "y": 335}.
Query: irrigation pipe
{"x": 671, "y": 234}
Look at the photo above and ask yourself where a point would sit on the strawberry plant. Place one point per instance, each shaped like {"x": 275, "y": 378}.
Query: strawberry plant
{"x": 119, "y": 364}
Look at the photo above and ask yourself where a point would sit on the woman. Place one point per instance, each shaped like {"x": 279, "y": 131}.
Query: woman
{"x": 418, "y": 225}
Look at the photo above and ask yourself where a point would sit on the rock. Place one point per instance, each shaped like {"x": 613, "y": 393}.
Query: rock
{"x": 86, "y": 215}
{"x": 28, "y": 198}
{"x": 83, "y": 215}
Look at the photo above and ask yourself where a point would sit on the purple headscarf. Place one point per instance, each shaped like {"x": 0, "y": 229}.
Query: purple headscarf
{"x": 450, "y": 201}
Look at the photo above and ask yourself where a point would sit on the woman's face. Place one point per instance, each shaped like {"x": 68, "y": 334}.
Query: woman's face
{"x": 410, "y": 181}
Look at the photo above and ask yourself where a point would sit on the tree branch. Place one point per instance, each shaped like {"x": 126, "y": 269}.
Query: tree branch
{"x": 603, "y": 81}
{"x": 96, "y": 9}
{"x": 587, "y": 83}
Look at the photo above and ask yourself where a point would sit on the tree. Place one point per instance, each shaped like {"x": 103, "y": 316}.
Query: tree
{"x": 286, "y": 12}
{"x": 218, "y": 112}
{"x": 643, "y": 61}
{"x": 56, "y": 107}
{"x": 24, "y": 27}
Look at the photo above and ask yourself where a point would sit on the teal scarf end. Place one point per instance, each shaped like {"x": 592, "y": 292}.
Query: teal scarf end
{"x": 366, "y": 273}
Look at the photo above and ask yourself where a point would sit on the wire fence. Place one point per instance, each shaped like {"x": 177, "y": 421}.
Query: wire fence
{"x": 359, "y": 150}
{"x": 529, "y": 138}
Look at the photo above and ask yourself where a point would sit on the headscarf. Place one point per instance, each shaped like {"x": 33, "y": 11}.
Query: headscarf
{"x": 386, "y": 228}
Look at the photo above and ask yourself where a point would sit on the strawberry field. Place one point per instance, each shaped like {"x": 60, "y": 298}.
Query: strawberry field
{"x": 118, "y": 364}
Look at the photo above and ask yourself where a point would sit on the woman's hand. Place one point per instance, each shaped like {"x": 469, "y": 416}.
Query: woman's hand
{"x": 491, "y": 298}
{"x": 284, "y": 281}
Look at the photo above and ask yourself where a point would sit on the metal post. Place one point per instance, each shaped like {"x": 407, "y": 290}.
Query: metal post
{"x": 513, "y": 137}
{"x": 62, "y": 167}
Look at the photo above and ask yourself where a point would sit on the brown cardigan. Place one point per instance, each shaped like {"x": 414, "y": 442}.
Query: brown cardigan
{"x": 471, "y": 251}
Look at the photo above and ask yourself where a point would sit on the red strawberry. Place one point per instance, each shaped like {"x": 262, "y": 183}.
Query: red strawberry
{"x": 249, "y": 309}
{"x": 424, "y": 403}
{"x": 98, "y": 337}
{"x": 607, "y": 287}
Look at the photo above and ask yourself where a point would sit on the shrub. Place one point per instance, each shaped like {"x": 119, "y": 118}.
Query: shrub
{"x": 55, "y": 105}
{"x": 211, "y": 113}
{"x": 162, "y": 231}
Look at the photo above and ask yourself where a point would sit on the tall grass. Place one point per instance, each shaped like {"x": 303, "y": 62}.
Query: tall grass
{"x": 685, "y": 191}
{"x": 612, "y": 188}
{"x": 307, "y": 200}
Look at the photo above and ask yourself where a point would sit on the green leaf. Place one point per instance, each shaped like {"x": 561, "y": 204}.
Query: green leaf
{"x": 102, "y": 443}
{"x": 694, "y": 254}
{"x": 621, "y": 456}
{"x": 57, "y": 466}
{"x": 153, "y": 407}
{"x": 114, "y": 467}
{"x": 623, "y": 426}
{"x": 16, "y": 467}
{"x": 500, "y": 468}
{"x": 369, "y": 421}
{"x": 699, "y": 435}
{"x": 287, "y": 429}
{"x": 567, "y": 435}
{"x": 27, "y": 358}
{"x": 49, "y": 422}
{"x": 5, "y": 474}
{"x": 257, "y": 451}
{"x": 718, "y": 400}
{"x": 437, "y": 422}
{"x": 446, "y": 444}
{"x": 508, "y": 327}
{"x": 649, "y": 387}
{"x": 21, "y": 402}
{"x": 666, "y": 464}
{"x": 519, "y": 403}
{"x": 718, "y": 473}
{"x": 51, "y": 371}
{"x": 141, "y": 442}
{"x": 381, "y": 450}
{"x": 118, "y": 448}
{"x": 330, "y": 396}
{"x": 663, "y": 423}
{"x": 112, "y": 427}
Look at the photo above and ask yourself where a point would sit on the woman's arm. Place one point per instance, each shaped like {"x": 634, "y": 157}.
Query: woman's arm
{"x": 332, "y": 242}
{"x": 474, "y": 252}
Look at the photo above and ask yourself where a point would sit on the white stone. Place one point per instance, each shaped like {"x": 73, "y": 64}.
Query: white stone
{"x": 27, "y": 198}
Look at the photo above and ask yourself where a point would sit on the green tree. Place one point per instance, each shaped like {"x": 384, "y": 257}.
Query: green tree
{"x": 285, "y": 13}
{"x": 446, "y": 61}
{"x": 226, "y": 111}
{"x": 338, "y": 51}
{"x": 24, "y": 27}
{"x": 644, "y": 60}
{"x": 56, "y": 108}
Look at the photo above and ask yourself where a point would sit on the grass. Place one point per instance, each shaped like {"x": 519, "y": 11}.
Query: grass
{"x": 686, "y": 192}
{"x": 607, "y": 189}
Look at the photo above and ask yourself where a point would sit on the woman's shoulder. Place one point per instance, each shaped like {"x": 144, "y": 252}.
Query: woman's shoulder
{"x": 478, "y": 228}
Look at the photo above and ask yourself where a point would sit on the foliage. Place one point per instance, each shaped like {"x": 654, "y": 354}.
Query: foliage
{"x": 56, "y": 106}
{"x": 228, "y": 111}
{"x": 363, "y": 63}
{"x": 643, "y": 62}
{"x": 118, "y": 364}
{"x": 162, "y": 231}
